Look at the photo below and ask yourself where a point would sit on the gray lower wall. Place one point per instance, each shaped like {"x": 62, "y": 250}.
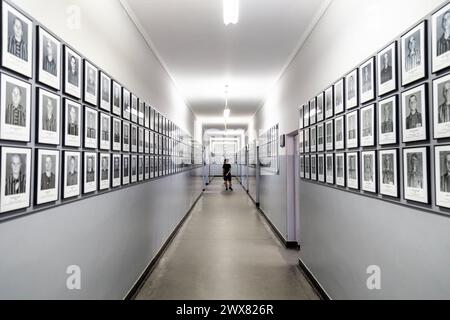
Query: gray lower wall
{"x": 112, "y": 238}
{"x": 344, "y": 234}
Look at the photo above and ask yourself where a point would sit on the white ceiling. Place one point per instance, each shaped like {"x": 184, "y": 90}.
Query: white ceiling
{"x": 202, "y": 55}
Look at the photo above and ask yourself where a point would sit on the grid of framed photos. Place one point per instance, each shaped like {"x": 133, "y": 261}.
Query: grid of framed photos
{"x": 383, "y": 129}
{"x": 268, "y": 151}
{"x": 68, "y": 129}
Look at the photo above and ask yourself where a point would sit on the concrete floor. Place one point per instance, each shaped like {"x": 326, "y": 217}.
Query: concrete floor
{"x": 225, "y": 250}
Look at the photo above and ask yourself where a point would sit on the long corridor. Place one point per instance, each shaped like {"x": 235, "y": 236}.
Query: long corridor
{"x": 225, "y": 250}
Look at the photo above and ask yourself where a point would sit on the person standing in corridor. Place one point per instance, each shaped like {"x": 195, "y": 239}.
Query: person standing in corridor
{"x": 227, "y": 175}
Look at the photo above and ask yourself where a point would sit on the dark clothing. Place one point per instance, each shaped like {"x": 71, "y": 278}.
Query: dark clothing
{"x": 443, "y": 45}
{"x": 227, "y": 172}
{"x": 18, "y": 49}
{"x": 15, "y": 186}
{"x": 47, "y": 182}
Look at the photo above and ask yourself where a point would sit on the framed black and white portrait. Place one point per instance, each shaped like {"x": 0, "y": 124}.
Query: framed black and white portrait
{"x": 368, "y": 165}
{"x": 141, "y": 168}
{"x": 147, "y": 167}
{"x": 17, "y": 41}
{"x": 126, "y": 169}
{"x": 413, "y": 54}
{"x": 90, "y": 128}
{"x": 301, "y": 120}
{"x": 319, "y": 107}
{"x": 141, "y": 140}
{"x": 441, "y": 107}
{"x": 90, "y": 172}
{"x": 353, "y": 170}
{"x": 116, "y": 134}
{"x": 313, "y": 167}
{"x": 351, "y": 86}
{"x": 414, "y": 114}
{"x": 152, "y": 167}
{"x": 442, "y": 175}
{"x": 321, "y": 167}
{"x": 313, "y": 139}
{"x": 387, "y": 121}
{"x": 72, "y": 123}
{"x": 49, "y": 59}
{"x": 367, "y": 80}
{"x": 312, "y": 112}
{"x": 15, "y": 179}
{"x": 134, "y": 168}
{"x": 72, "y": 174}
{"x": 339, "y": 97}
{"x": 307, "y": 140}
{"x": 134, "y": 108}
{"x": 90, "y": 83}
{"x": 141, "y": 112}
{"x": 104, "y": 171}
{"x": 152, "y": 119}
{"x": 126, "y": 137}
{"x": 307, "y": 167}
{"x": 301, "y": 142}
{"x": 329, "y": 137}
{"x": 329, "y": 112}
{"x": 440, "y": 38}
{"x": 126, "y": 104}
{"x": 368, "y": 126}
{"x": 415, "y": 174}
{"x": 302, "y": 167}
{"x": 116, "y": 170}
{"x": 305, "y": 116}
{"x": 157, "y": 120}
{"x": 388, "y": 166}
{"x": 15, "y": 115}
{"x": 340, "y": 169}
{"x": 329, "y": 160}
{"x": 146, "y": 141}
{"x": 321, "y": 137}
{"x": 387, "y": 69}
{"x": 116, "y": 98}
{"x": 351, "y": 128}
{"x": 134, "y": 138}
{"x": 105, "y": 131}
{"x": 105, "y": 92}
{"x": 147, "y": 116}
{"x": 339, "y": 133}
{"x": 49, "y": 122}
{"x": 72, "y": 73}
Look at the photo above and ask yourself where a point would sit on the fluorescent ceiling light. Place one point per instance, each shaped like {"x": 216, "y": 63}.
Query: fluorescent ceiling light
{"x": 230, "y": 11}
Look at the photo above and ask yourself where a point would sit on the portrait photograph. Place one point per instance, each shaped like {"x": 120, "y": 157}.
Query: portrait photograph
{"x": 141, "y": 140}
{"x": 367, "y": 126}
{"x": 305, "y": 117}
{"x": 302, "y": 167}
{"x": 367, "y": 80}
{"x": 126, "y": 104}
{"x": 49, "y": 114}
{"x": 306, "y": 137}
{"x": 117, "y": 170}
{"x": 414, "y": 114}
{"x": 134, "y": 168}
{"x": 351, "y": 127}
{"x": 152, "y": 119}
{"x": 157, "y": 129}
{"x": 126, "y": 169}
{"x": 105, "y": 131}
{"x": 104, "y": 174}
{"x": 126, "y": 137}
{"x": 413, "y": 54}
{"x": 388, "y": 173}
{"x": 105, "y": 92}
{"x": 152, "y": 167}
{"x": 90, "y": 128}
{"x": 329, "y": 142}
{"x": 160, "y": 167}
{"x": 387, "y": 69}
{"x": 72, "y": 123}
{"x": 340, "y": 169}
{"x": 312, "y": 111}
{"x": 147, "y": 141}
{"x": 15, "y": 179}
{"x": 339, "y": 97}
{"x": 387, "y": 121}
{"x": 17, "y": 41}
{"x": 116, "y": 99}
{"x": 15, "y": 113}
{"x": 330, "y": 168}
{"x": 147, "y": 167}
{"x": 307, "y": 167}
{"x": 441, "y": 107}
{"x": 320, "y": 137}
{"x": 72, "y": 174}
{"x": 319, "y": 107}
{"x": 301, "y": 122}
{"x": 90, "y": 172}
{"x": 72, "y": 73}
{"x": 134, "y": 138}
{"x": 49, "y": 60}
{"x": 141, "y": 168}
{"x": 47, "y": 176}
{"x": 442, "y": 175}
{"x": 141, "y": 112}
{"x": 116, "y": 134}
{"x": 301, "y": 142}
{"x": 339, "y": 133}
{"x": 312, "y": 140}
{"x": 329, "y": 112}
{"x": 415, "y": 174}
{"x": 134, "y": 108}
{"x": 351, "y": 88}
{"x": 147, "y": 116}
{"x": 90, "y": 83}
{"x": 313, "y": 167}
{"x": 353, "y": 170}
{"x": 368, "y": 165}
{"x": 440, "y": 38}
{"x": 321, "y": 167}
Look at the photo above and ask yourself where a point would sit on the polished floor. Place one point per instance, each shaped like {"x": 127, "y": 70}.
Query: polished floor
{"x": 225, "y": 250}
